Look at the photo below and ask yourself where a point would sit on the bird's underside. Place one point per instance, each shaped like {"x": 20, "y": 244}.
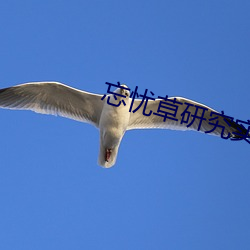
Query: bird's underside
{"x": 175, "y": 113}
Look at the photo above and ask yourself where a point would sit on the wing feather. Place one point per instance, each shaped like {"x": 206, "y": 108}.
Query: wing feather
{"x": 140, "y": 121}
{"x": 53, "y": 98}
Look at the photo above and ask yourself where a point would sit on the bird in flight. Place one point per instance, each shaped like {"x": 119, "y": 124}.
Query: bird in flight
{"x": 55, "y": 98}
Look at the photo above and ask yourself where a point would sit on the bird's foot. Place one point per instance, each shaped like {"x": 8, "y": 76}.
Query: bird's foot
{"x": 108, "y": 154}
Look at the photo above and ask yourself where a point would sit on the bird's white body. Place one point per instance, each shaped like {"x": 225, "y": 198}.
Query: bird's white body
{"x": 113, "y": 125}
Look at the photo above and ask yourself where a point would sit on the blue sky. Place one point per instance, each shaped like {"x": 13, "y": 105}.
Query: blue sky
{"x": 169, "y": 189}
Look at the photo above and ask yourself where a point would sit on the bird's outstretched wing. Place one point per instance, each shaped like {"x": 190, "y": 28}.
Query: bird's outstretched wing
{"x": 186, "y": 117}
{"x": 55, "y": 99}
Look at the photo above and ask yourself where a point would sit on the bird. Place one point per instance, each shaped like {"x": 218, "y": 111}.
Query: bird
{"x": 112, "y": 113}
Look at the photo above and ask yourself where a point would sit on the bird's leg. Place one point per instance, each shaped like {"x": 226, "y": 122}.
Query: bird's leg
{"x": 108, "y": 154}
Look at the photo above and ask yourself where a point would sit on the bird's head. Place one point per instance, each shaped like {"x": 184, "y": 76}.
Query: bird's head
{"x": 123, "y": 90}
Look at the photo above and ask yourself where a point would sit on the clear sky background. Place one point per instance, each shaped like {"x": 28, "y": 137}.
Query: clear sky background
{"x": 169, "y": 189}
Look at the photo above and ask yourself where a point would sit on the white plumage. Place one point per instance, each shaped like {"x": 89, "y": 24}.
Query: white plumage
{"x": 58, "y": 99}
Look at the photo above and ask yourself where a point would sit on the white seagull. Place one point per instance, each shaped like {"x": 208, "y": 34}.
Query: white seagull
{"x": 55, "y": 98}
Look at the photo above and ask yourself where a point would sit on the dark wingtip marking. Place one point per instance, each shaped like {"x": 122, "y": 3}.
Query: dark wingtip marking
{"x": 238, "y": 129}
{"x": 3, "y": 90}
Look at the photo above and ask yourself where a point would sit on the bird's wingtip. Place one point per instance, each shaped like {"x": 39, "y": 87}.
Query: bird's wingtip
{"x": 3, "y": 90}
